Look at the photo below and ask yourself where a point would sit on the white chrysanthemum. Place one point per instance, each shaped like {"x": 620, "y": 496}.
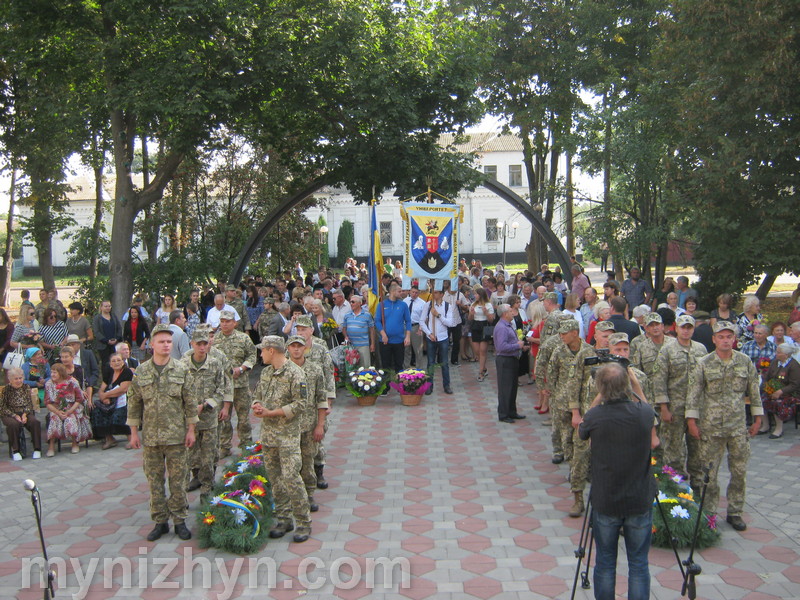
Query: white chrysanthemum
{"x": 679, "y": 512}
{"x": 216, "y": 500}
{"x": 239, "y": 515}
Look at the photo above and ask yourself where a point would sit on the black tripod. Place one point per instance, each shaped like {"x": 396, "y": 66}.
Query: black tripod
{"x": 692, "y": 570}
{"x": 587, "y": 537}
{"x": 36, "y": 500}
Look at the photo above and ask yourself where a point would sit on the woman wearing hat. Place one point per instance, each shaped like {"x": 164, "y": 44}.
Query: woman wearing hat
{"x": 35, "y": 368}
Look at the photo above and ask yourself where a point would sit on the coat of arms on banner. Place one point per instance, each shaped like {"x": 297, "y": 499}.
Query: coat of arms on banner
{"x": 431, "y": 240}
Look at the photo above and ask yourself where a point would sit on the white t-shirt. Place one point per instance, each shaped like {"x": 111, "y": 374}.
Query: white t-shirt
{"x": 481, "y": 312}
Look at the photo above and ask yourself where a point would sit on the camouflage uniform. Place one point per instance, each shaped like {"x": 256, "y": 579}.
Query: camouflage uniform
{"x": 209, "y": 386}
{"x": 579, "y": 393}
{"x": 262, "y": 323}
{"x": 284, "y": 388}
{"x": 551, "y": 325}
{"x": 318, "y": 352}
{"x": 671, "y": 374}
{"x": 163, "y": 405}
{"x": 645, "y": 353}
{"x": 240, "y": 351}
{"x": 315, "y": 385}
{"x": 716, "y": 400}
{"x": 561, "y": 370}
{"x": 546, "y": 350}
{"x": 238, "y": 305}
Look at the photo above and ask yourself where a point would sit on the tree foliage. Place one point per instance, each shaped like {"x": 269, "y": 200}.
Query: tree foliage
{"x": 345, "y": 241}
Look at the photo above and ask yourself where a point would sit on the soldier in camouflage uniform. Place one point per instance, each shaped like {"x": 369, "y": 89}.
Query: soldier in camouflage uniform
{"x": 560, "y": 371}
{"x": 581, "y": 393}
{"x": 312, "y": 421}
{"x": 241, "y": 353}
{"x": 317, "y": 351}
{"x": 279, "y": 399}
{"x": 210, "y": 388}
{"x": 715, "y": 415}
{"x": 544, "y": 389}
{"x": 645, "y": 352}
{"x": 551, "y": 324}
{"x": 235, "y": 302}
{"x": 159, "y": 400}
{"x": 264, "y": 319}
{"x": 671, "y": 384}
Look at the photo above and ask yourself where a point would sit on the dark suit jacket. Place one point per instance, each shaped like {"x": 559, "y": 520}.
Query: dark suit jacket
{"x": 623, "y": 325}
{"x": 276, "y": 326}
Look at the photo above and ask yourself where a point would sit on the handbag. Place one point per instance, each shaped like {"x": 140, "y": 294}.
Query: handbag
{"x": 14, "y": 360}
{"x": 488, "y": 331}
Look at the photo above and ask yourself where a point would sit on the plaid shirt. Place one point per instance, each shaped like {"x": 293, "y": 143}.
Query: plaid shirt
{"x": 755, "y": 353}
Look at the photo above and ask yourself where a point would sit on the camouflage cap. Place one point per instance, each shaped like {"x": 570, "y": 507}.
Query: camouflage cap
{"x": 701, "y": 315}
{"x": 204, "y": 326}
{"x": 653, "y": 317}
{"x": 230, "y": 288}
{"x": 201, "y": 334}
{"x": 684, "y": 320}
{"x": 296, "y": 339}
{"x": 304, "y": 321}
{"x": 160, "y": 328}
{"x": 226, "y": 315}
{"x": 618, "y": 338}
{"x": 269, "y": 300}
{"x": 604, "y": 326}
{"x": 568, "y": 325}
{"x": 722, "y": 325}
{"x": 552, "y": 296}
{"x": 272, "y": 341}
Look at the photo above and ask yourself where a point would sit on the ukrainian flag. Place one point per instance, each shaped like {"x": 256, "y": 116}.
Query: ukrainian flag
{"x": 375, "y": 262}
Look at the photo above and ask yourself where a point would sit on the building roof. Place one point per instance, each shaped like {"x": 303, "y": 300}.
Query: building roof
{"x": 481, "y": 142}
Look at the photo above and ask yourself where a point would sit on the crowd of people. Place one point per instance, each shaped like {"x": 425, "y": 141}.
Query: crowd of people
{"x": 96, "y": 377}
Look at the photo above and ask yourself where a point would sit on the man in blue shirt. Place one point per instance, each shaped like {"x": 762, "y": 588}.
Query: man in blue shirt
{"x": 359, "y": 330}
{"x": 393, "y": 322}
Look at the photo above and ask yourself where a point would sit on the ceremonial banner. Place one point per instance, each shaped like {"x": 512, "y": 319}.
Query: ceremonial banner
{"x": 431, "y": 245}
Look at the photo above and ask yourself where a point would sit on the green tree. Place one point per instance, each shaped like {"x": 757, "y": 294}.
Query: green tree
{"x": 732, "y": 72}
{"x": 345, "y": 241}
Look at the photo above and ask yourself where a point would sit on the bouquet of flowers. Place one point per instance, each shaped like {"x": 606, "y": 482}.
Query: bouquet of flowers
{"x": 679, "y": 507}
{"x": 238, "y": 516}
{"x": 329, "y": 327}
{"x": 763, "y": 364}
{"x": 773, "y": 385}
{"x": 411, "y": 382}
{"x": 366, "y": 382}
{"x": 351, "y": 357}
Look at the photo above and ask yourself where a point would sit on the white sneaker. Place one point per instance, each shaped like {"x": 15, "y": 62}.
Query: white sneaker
{"x": 16, "y": 456}
{"x": 36, "y": 454}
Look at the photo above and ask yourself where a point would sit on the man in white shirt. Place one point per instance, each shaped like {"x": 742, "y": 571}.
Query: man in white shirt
{"x": 180, "y": 341}
{"x": 340, "y": 308}
{"x": 438, "y": 317}
{"x": 212, "y": 318}
{"x": 528, "y": 296}
{"x": 416, "y": 306}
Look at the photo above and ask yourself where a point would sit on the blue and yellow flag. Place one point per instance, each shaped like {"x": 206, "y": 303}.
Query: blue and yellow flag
{"x": 375, "y": 255}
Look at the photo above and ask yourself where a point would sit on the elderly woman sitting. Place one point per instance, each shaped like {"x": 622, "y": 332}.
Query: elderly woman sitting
{"x": 780, "y": 390}
{"x": 36, "y": 369}
{"x": 64, "y": 399}
{"x": 16, "y": 411}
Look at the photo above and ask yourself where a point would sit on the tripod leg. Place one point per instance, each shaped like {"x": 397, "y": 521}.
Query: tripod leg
{"x": 585, "y": 575}
{"x": 581, "y": 551}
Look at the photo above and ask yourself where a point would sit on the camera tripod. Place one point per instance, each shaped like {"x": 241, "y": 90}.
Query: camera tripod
{"x": 692, "y": 570}
{"x": 585, "y": 542}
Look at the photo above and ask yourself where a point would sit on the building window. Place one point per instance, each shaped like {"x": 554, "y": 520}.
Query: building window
{"x": 490, "y": 171}
{"x": 514, "y": 175}
{"x": 491, "y": 230}
{"x": 385, "y": 228}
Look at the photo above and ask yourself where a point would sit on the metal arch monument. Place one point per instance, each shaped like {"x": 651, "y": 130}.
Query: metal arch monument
{"x": 292, "y": 200}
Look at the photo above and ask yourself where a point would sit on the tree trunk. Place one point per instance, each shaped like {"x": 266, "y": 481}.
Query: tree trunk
{"x": 766, "y": 285}
{"x": 98, "y": 220}
{"x": 569, "y": 216}
{"x": 8, "y": 256}
{"x": 43, "y": 242}
{"x": 532, "y": 248}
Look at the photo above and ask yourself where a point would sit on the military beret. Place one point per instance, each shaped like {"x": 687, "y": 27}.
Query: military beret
{"x": 552, "y": 296}
{"x": 604, "y": 326}
{"x": 272, "y": 341}
{"x": 722, "y": 325}
{"x": 684, "y": 320}
{"x": 296, "y": 339}
{"x": 201, "y": 334}
{"x": 304, "y": 321}
{"x": 226, "y": 315}
{"x": 568, "y": 325}
{"x": 653, "y": 317}
{"x": 160, "y": 328}
{"x": 618, "y": 338}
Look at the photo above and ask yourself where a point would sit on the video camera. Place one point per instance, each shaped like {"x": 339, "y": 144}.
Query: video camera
{"x": 604, "y": 356}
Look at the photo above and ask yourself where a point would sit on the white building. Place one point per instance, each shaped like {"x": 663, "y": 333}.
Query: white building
{"x": 481, "y": 235}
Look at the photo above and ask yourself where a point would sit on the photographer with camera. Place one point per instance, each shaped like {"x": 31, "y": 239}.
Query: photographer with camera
{"x": 620, "y": 431}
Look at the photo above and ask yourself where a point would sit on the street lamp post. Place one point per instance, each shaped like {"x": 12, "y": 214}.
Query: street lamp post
{"x": 506, "y": 231}
{"x": 323, "y": 231}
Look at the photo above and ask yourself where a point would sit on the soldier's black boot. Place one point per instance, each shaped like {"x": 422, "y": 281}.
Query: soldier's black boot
{"x": 182, "y": 531}
{"x": 159, "y": 530}
{"x": 194, "y": 484}
{"x": 312, "y": 506}
{"x": 321, "y": 483}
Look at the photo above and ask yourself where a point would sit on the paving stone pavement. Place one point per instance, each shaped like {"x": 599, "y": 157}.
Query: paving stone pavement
{"x": 474, "y": 506}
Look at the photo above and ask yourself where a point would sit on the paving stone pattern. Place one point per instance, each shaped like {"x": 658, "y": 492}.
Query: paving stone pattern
{"x": 475, "y": 506}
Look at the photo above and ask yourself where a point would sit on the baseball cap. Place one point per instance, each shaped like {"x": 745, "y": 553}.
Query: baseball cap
{"x": 272, "y": 341}
{"x": 617, "y": 338}
{"x": 684, "y": 320}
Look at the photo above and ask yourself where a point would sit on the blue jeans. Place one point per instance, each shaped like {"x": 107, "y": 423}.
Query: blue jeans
{"x": 637, "y": 530}
{"x": 438, "y": 353}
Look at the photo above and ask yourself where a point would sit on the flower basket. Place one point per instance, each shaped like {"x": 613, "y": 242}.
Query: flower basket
{"x": 366, "y": 400}
{"x": 411, "y": 399}
{"x": 238, "y": 517}
{"x": 680, "y": 507}
{"x": 411, "y": 382}
{"x": 365, "y": 382}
